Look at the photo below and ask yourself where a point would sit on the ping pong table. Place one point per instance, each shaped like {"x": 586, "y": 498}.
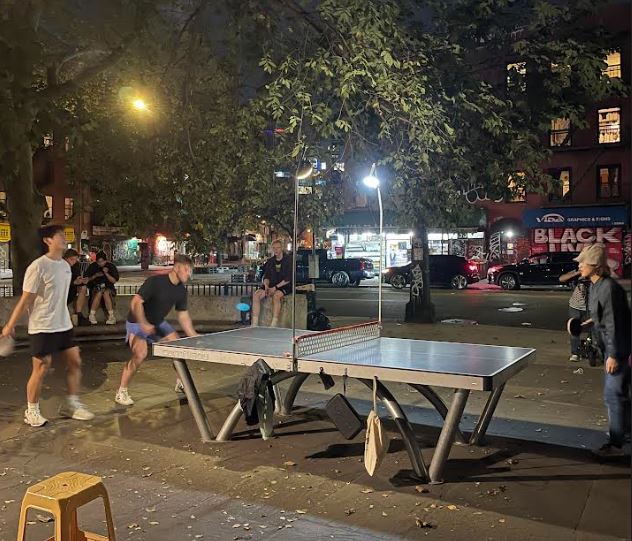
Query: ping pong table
{"x": 359, "y": 352}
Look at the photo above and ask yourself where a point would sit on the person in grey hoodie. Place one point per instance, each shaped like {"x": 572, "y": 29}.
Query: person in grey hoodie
{"x": 610, "y": 315}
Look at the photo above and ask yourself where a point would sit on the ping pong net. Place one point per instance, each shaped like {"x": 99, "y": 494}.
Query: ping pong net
{"x": 313, "y": 343}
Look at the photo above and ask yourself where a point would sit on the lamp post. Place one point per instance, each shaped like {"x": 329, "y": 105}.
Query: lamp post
{"x": 372, "y": 181}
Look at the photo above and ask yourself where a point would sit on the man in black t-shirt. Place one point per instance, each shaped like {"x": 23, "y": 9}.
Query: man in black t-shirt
{"x": 146, "y": 319}
{"x": 277, "y": 283}
{"x": 102, "y": 275}
{"x": 77, "y": 293}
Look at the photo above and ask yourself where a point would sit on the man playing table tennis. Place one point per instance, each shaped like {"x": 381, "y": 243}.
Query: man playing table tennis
{"x": 146, "y": 319}
{"x": 277, "y": 283}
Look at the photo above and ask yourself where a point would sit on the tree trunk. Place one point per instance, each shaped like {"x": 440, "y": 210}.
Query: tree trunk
{"x": 419, "y": 308}
{"x": 25, "y": 214}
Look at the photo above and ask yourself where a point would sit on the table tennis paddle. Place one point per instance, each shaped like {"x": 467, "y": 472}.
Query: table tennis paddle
{"x": 574, "y": 326}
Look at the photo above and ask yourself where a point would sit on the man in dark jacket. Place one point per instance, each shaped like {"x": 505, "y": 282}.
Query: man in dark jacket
{"x": 610, "y": 315}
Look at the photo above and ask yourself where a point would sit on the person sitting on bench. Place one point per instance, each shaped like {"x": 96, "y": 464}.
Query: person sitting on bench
{"x": 277, "y": 283}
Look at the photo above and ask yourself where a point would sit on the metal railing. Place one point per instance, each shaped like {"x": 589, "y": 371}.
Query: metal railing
{"x": 199, "y": 290}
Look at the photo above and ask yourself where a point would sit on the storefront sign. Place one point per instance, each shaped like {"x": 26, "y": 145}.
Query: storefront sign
{"x": 576, "y": 217}
{"x": 69, "y": 232}
{"x": 575, "y": 239}
{"x": 5, "y": 232}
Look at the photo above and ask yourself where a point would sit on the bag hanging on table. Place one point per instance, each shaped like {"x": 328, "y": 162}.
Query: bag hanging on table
{"x": 376, "y": 443}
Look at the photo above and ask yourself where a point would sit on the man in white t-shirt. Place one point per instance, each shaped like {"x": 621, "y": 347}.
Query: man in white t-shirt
{"x": 44, "y": 296}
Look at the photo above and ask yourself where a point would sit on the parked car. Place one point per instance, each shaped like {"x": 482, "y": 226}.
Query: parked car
{"x": 339, "y": 272}
{"x": 539, "y": 269}
{"x": 445, "y": 270}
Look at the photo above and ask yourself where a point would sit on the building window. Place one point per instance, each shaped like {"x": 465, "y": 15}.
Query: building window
{"x": 517, "y": 76}
{"x": 69, "y": 208}
{"x": 3, "y": 205}
{"x": 560, "y": 133}
{"x": 48, "y": 211}
{"x": 361, "y": 200}
{"x": 561, "y": 192}
{"x": 610, "y": 125}
{"x": 517, "y": 193}
{"x": 608, "y": 181}
{"x": 613, "y": 61}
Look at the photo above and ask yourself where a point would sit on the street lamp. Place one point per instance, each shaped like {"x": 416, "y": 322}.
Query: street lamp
{"x": 139, "y": 104}
{"x": 373, "y": 182}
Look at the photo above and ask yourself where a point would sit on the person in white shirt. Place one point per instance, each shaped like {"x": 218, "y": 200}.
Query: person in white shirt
{"x": 50, "y": 329}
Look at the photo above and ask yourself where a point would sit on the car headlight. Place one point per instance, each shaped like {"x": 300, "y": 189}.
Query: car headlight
{"x": 385, "y": 271}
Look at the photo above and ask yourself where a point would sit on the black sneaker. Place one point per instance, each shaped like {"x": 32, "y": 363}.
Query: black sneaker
{"x": 83, "y": 321}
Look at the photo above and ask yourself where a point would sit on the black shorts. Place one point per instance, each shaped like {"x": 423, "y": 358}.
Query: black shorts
{"x": 48, "y": 343}
{"x": 286, "y": 289}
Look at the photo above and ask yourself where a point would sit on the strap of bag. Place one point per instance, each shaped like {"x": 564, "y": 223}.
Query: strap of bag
{"x": 375, "y": 394}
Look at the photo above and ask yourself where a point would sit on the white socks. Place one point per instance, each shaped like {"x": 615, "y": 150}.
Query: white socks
{"x": 33, "y": 406}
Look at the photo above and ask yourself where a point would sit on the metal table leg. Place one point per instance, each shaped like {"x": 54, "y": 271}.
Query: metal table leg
{"x": 404, "y": 427}
{"x": 478, "y": 434}
{"x": 231, "y": 421}
{"x": 201, "y": 420}
{"x": 290, "y": 396}
{"x": 446, "y": 438}
{"x": 439, "y": 405}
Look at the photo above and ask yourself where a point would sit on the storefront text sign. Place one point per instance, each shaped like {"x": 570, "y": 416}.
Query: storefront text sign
{"x": 576, "y": 217}
{"x": 5, "y": 232}
{"x": 571, "y": 239}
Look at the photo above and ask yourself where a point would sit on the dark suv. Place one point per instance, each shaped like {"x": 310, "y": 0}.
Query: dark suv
{"x": 445, "y": 270}
{"x": 537, "y": 270}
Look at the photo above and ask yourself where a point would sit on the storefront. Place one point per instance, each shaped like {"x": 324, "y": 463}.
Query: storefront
{"x": 571, "y": 229}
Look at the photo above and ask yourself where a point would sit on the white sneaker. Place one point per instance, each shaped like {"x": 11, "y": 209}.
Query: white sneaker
{"x": 111, "y": 320}
{"x": 75, "y": 411}
{"x": 573, "y": 358}
{"x": 75, "y": 320}
{"x": 179, "y": 387}
{"x": 34, "y": 418}
{"x": 92, "y": 318}
{"x": 123, "y": 398}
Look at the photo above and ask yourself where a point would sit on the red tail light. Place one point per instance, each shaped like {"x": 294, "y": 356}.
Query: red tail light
{"x": 361, "y": 264}
{"x": 472, "y": 267}
{"x": 493, "y": 269}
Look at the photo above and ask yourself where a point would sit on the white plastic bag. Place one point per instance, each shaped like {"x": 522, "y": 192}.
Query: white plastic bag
{"x": 376, "y": 442}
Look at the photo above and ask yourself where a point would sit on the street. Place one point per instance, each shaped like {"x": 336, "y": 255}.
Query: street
{"x": 543, "y": 309}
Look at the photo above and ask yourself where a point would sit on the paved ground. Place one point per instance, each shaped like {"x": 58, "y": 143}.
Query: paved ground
{"x": 534, "y": 480}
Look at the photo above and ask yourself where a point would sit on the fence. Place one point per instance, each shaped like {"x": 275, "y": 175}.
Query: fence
{"x": 198, "y": 290}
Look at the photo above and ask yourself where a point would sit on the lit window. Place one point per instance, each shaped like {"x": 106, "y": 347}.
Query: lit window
{"x": 3, "y": 204}
{"x": 48, "y": 212}
{"x": 610, "y": 125}
{"x": 517, "y": 76}
{"x": 562, "y": 192}
{"x": 608, "y": 179}
{"x": 69, "y": 208}
{"x": 517, "y": 193}
{"x": 613, "y": 60}
{"x": 48, "y": 140}
{"x": 560, "y": 133}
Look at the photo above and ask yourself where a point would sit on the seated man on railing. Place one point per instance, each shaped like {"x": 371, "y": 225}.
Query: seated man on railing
{"x": 102, "y": 275}
{"x": 277, "y": 283}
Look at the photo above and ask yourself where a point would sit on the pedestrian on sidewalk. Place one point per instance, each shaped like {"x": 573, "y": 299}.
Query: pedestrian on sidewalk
{"x": 146, "y": 319}
{"x": 577, "y": 306}
{"x": 102, "y": 275}
{"x": 78, "y": 293}
{"x": 610, "y": 318}
{"x": 50, "y": 330}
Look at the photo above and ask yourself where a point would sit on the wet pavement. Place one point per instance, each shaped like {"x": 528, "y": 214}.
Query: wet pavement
{"x": 535, "y": 478}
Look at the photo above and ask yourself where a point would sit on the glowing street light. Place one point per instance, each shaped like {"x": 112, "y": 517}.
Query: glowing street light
{"x": 373, "y": 182}
{"x": 139, "y": 104}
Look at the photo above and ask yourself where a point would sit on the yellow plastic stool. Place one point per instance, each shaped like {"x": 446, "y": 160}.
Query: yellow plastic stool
{"x": 61, "y": 496}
